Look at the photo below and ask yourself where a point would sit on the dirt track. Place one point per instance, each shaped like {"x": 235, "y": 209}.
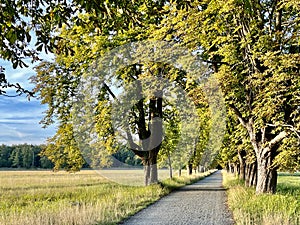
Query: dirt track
{"x": 203, "y": 202}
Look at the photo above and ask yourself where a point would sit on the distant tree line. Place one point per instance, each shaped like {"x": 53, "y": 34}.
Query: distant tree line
{"x": 31, "y": 156}
{"x": 23, "y": 156}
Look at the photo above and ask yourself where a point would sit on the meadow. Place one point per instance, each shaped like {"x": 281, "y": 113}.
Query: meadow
{"x": 281, "y": 208}
{"x": 86, "y": 197}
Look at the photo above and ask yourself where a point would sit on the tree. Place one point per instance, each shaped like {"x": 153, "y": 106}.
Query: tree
{"x": 16, "y": 158}
{"x": 237, "y": 153}
{"x": 23, "y": 155}
{"x": 169, "y": 155}
{"x": 5, "y": 152}
{"x": 253, "y": 48}
{"x": 27, "y": 152}
{"x": 30, "y": 28}
{"x": 63, "y": 150}
{"x": 57, "y": 82}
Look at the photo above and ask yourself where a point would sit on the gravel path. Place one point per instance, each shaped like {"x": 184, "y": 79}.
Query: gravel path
{"x": 203, "y": 202}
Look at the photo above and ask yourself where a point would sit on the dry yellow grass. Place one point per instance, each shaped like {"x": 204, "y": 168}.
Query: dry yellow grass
{"x": 48, "y": 198}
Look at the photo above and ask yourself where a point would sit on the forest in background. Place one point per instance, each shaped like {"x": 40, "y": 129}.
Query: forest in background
{"x": 23, "y": 156}
{"x": 29, "y": 156}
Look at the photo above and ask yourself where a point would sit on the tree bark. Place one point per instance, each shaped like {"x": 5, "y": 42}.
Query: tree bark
{"x": 146, "y": 174}
{"x": 236, "y": 171}
{"x": 190, "y": 169}
{"x": 267, "y": 175}
{"x": 201, "y": 169}
{"x": 253, "y": 175}
{"x": 247, "y": 175}
{"x": 170, "y": 166}
{"x": 150, "y": 168}
{"x": 241, "y": 155}
{"x": 265, "y": 145}
{"x": 153, "y": 165}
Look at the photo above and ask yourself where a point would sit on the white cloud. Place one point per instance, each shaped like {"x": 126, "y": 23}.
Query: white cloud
{"x": 19, "y": 118}
{"x": 19, "y": 121}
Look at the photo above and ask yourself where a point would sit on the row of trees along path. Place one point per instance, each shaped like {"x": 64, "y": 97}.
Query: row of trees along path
{"x": 252, "y": 48}
{"x": 203, "y": 202}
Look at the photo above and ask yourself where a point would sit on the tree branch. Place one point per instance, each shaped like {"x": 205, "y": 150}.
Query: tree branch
{"x": 277, "y": 139}
{"x": 214, "y": 62}
{"x": 110, "y": 91}
{"x": 290, "y": 127}
{"x": 239, "y": 115}
{"x": 133, "y": 146}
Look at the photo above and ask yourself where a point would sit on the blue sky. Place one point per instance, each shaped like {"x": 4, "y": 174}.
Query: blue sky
{"x": 19, "y": 118}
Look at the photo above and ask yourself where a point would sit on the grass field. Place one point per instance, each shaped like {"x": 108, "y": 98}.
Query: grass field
{"x": 44, "y": 197}
{"x": 283, "y": 208}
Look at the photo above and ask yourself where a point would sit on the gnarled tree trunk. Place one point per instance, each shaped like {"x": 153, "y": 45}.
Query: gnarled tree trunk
{"x": 151, "y": 136}
{"x": 265, "y": 145}
{"x": 266, "y": 174}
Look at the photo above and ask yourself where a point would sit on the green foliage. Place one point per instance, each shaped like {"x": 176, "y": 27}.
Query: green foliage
{"x": 57, "y": 83}
{"x": 63, "y": 150}
{"x": 23, "y": 156}
{"x": 253, "y": 48}
{"x": 169, "y": 154}
{"x": 289, "y": 157}
{"x": 126, "y": 156}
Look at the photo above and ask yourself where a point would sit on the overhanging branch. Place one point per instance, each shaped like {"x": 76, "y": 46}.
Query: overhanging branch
{"x": 239, "y": 115}
{"x": 290, "y": 127}
{"x": 277, "y": 139}
{"x": 133, "y": 146}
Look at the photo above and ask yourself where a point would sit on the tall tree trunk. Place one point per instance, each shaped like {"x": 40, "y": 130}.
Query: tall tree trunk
{"x": 231, "y": 168}
{"x": 201, "y": 169}
{"x": 153, "y": 174}
{"x": 241, "y": 155}
{"x": 155, "y": 139}
{"x": 151, "y": 136}
{"x": 242, "y": 171}
{"x": 190, "y": 168}
{"x": 170, "y": 166}
{"x": 247, "y": 175}
{"x": 146, "y": 174}
{"x": 153, "y": 165}
{"x": 265, "y": 145}
{"x": 253, "y": 175}
{"x": 267, "y": 175}
{"x": 150, "y": 168}
{"x": 236, "y": 169}
{"x": 227, "y": 168}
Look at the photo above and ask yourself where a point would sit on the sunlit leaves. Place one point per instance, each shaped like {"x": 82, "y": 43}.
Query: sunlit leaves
{"x": 63, "y": 150}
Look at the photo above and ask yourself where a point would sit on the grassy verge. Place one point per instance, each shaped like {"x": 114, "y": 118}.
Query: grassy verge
{"x": 43, "y": 197}
{"x": 281, "y": 208}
